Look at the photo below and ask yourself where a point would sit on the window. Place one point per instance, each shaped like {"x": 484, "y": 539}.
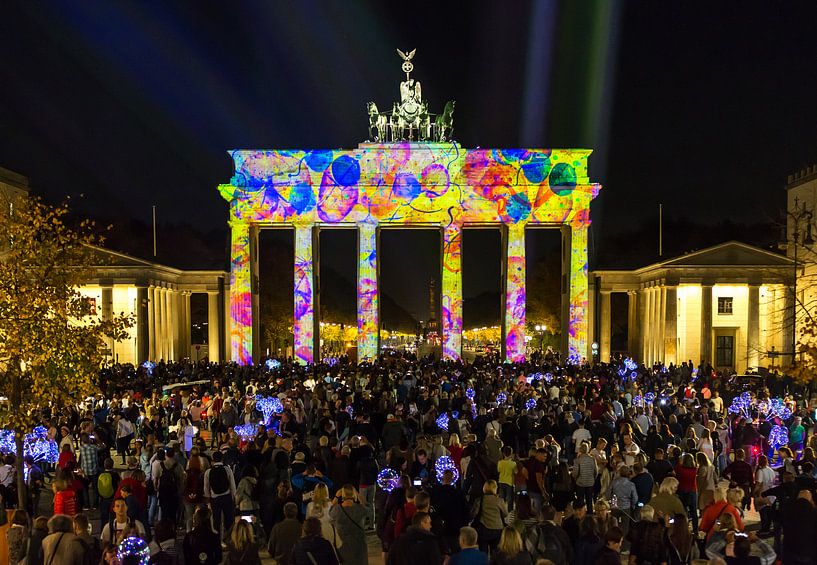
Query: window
{"x": 724, "y": 305}
{"x": 724, "y": 350}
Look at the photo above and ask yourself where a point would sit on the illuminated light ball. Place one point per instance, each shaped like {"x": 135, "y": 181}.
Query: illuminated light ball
{"x": 273, "y": 364}
{"x": 574, "y": 359}
{"x": 629, "y": 364}
{"x": 501, "y": 398}
{"x": 7, "y": 444}
{"x": 746, "y": 397}
{"x": 346, "y": 170}
{"x": 246, "y": 431}
{"x": 530, "y": 403}
{"x": 442, "y": 421}
{"x": 638, "y": 401}
{"x": 302, "y": 198}
{"x": 562, "y": 179}
{"x": 548, "y": 377}
{"x": 406, "y": 186}
{"x": 350, "y": 411}
{"x": 469, "y": 393}
{"x": 149, "y": 366}
{"x": 134, "y": 547}
{"x": 650, "y": 397}
{"x": 778, "y": 437}
{"x": 387, "y": 479}
{"x": 443, "y": 464}
{"x": 455, "y": 414}
{"x": 634, "y": 375}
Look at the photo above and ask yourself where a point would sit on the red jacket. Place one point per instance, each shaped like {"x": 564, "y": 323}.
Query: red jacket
{"x": 65, "y": 502}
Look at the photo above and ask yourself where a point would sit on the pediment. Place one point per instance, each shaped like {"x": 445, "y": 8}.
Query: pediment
{"x": 731, "y": 253}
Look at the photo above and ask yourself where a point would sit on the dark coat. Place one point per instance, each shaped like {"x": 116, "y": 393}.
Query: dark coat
{"x": 315, "y": 547}
{"x": 415, "y": 546}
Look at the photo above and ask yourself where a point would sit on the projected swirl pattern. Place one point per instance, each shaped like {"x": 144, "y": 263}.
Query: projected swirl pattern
{"x": 402, "y": 184}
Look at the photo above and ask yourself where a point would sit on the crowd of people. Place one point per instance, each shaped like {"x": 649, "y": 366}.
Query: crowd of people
{"x": 466, "y": 463}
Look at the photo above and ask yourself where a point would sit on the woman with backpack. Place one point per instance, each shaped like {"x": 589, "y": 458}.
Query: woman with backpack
{"x": 202, "y": 546}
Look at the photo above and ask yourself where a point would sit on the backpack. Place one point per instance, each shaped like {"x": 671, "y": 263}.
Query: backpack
{"x": 546, "y": 545}
{"x": 105, "y": 485}
{"x": 168, "y": 482}
{"x": 717, "y": 446}
{"x": 92, "y": 552}
{"x": 219, "y": 482}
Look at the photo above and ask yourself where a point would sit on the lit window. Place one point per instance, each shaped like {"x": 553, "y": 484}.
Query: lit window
{"x": 724, "y": 305}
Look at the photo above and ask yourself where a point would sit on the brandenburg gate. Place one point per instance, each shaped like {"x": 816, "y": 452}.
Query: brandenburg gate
{"x": 409, "y": 175}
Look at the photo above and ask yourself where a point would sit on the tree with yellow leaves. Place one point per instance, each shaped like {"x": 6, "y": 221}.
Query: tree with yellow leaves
{"x": 51, "y": 342}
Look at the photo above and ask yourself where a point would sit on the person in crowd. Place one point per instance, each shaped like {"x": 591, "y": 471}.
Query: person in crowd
{"x": 284, "y": 535}
{"x": 490, "y": 516}
{"x": 510, "y": 550}
{"x": 610, "y": 553}
{"x": 220, "y": 492}
{"x": 62, "y": 546}
{"x": 17, "y": 536}
{"x": 202, "y": 545}
{"x": 312, "y": 548}
{"x": 349, "y": 516}
{"x": 717, "y": 509}
{"x": 241, "y": 549}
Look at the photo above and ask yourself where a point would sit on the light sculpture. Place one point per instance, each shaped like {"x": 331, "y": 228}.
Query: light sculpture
{"x": 778, "y": 437}
{"x": 134, "y": 547}
{"x": 443, "y": 464}
{"x": 388, "y": 479}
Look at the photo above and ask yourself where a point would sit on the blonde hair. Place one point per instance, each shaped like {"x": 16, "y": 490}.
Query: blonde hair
{"x": 489, "y": 487}
{"x": 348, "y": 492}
{"x": 668, "y": 486}
{"x": 727, "y": 522}
{"x": 241, "y": 536}
{"x": 510, "y": 542}
{"x": 454, "y": 439}
{"x": 734, "y": 496}
{"x": 320, "y": 496}
{"x": 647, "y": 513}
{"x": 719, "y": 494}
{"x": 323, "y": 441}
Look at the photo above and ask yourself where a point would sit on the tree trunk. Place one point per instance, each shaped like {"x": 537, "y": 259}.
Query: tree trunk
{"x": 21, "y": 482}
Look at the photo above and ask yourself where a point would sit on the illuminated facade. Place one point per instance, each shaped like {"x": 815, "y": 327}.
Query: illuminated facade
{"x": 724, "y": 305}
{"x": 378, "y": 186}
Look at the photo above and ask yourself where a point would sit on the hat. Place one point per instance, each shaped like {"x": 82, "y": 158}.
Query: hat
{"x": 300, "y": 456}
{"x": 390, "y": 418}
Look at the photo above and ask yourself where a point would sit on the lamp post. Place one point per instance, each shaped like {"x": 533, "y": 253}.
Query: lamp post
{"x": 541, "y": 329}
{"x": 801, "y": 217}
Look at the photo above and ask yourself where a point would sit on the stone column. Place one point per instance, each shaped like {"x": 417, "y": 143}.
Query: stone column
{"x": 303, "y": 327}
{"x": 152, "y": 323}
{"x": 632, "y": 323}
{"x": 706, "y": 323}
{"x": 241, "y": 303}
{"x": 647, "y": 332}
{"x": 659, "y": 323}
{"x": 671, "y": 325}
{"x": 213, "y": 341}
{"x": 368, "y": 292}
{"x": 159, "y": 310}
{"x": 142, "y": 325}
{"x": 515, "y": 294}
{"x": 107, "y": 315}
{"x": 643, "y": 326}
{"x": 451, "y": 292}
{"x": 577, "y": 345}
{"x": 604, "y": 330}
{"x": 255, "y": 288}
{"x": 753, "y": 327}
{"x": 172, "y": 326}
{"x": 186, "y": 333}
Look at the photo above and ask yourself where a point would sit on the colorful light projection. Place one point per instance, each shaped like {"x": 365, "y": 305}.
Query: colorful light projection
{"x": 403, "y": 184}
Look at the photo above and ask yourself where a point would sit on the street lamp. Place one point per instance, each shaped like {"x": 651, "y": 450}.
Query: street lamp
{"x": 541, "y": 329}
{"x": 801, "y": 216}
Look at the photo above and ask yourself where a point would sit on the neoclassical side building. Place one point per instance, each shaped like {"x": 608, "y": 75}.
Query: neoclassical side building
{"x": 728, "y": 305}
{"x": 159, "y": 298}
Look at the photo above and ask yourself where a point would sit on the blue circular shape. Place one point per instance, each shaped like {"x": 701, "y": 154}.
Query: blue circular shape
{"x": 518, "y": 207}
{"x": 302, "y": 198}
{"x": 318, "y": 160}
{"x": 562, "y": 179}
{"x": 346, "y": 170}
{"x": 537, "y": 167}
{"x": 508, "y": 156}
{"x": 406, "y": 186}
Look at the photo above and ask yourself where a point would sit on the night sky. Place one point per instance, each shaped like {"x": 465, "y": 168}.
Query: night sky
{"x": 703, "y": 106}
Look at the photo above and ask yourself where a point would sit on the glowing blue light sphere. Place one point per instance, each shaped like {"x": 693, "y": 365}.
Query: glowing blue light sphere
{"x": 388, "y": 479}
{"x": 442, "y": 421}
{"x": 501, "y": 398}
{"x": 246, "y": 431}
{"x": 443, "y": 464}
{"x": 149, "y": 366}
{"x": 778, "y": 437}
{"x": 530, "y": 403}
{"x": 273, "y": 364}
{"x": 134, "y": 546}
{"x": 649, "y": 397}
{"x": 469, "y": 393}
